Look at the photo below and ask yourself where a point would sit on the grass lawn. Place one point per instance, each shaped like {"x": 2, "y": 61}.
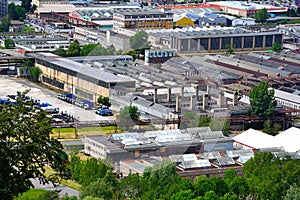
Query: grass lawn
{"x": 69, "y": 133}
{"x": 70, "y": 183}
{"x": 28, "y": 29}
{"x": 32, "y": 194}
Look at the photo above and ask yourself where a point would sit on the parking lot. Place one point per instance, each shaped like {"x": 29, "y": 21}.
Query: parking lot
{"x": 11, "y": 85}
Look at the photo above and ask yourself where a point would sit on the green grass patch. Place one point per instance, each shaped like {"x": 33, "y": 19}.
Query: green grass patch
{"x": 69, "y": 133}
{"x": 70, "y": 183}
{"x": 33, "y": 194}
{"x": 28, "y": 29}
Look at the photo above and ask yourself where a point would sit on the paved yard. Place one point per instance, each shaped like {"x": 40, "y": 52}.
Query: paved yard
{"x": 10, "y": 85}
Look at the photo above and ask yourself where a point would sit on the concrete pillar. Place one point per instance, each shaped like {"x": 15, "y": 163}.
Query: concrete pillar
{"x": 189, "y": 45}
{"x": 197, "y": 92}
{"x": 155, "y": 96}
{"x": 243, "y": 42}
{"x": 198, "y": 45}
{"x": 169, "y": 93}
{"x": 191, "y": 102}
{"x": 209, "y": 43}
{"x": 177, "y": 104}
{"x": 205, "y": 101}
{"x": 182, "y": 91}
{"x": 264, "y": 42}
{"x": 253, "y": 42}
{"x": 220, "y": 45}
{"x": 235, "y": 98}
{"x": 273, "y": 41}
{"x": 207, "y": 88}
{"x": 221, "y": 100}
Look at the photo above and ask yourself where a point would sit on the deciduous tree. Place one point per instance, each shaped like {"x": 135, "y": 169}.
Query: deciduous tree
{"x": 74, "y": 49}
{"x": 261, "y": 15}
{"x": 104, "y": 101}
{"x": 262, "y": 100}
{"x": 25, "y": 147}
{"x": 139, "y": 41}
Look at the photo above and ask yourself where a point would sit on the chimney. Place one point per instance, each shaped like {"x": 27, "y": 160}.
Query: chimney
{"x": 235, "y": 98}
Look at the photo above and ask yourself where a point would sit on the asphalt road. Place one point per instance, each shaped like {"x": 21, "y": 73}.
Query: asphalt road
{"x": 63, "y": 190}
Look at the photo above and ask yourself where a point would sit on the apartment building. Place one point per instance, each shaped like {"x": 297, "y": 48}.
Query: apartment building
{"x": 3, "y": 8}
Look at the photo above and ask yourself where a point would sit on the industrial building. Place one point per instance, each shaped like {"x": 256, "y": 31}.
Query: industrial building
{"x": 106, "y": 39}
{"x": 3, "y": 8}
{"x": 246, "y": 9}
{"x": 214, "y": 39}
{"x": 142, "y": 19}
{"x": 77, "y": 78}
{"x": 128, "y": 146}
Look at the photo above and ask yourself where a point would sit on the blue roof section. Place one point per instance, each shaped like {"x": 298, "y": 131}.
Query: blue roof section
{"x": 275, "y": 70}
{"x": 193, "y": 17}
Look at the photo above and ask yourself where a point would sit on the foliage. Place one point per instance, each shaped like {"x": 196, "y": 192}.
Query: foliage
{"x": 183, "y": 195}
{"x": 104, "y": 101}
{"x": 87, "y": 171}
{"x": 128, "y": 116}
{"x": 262, "y": 100}
{"x": 74, "y": 49}
{"x": 26, "y": 4}
{"x": 215, "y": 124}
{"x": 35, "y": 73}
{"x": 25, "y": 133}
{"x": 276, "y": 47}
{"x": 9, "y": 43}
{"x": 291, "y": 12}
{"x": 192, "y": 119}
{"x": 139, "y": 40}
{"x": 16, "y": 12}
{"x": 293, "y": 193}
{"x": 98, "y": 188}
{"x": 38, "y": 194}
{"x": 96, "y": 50}
{"x": 5, "y": 23}
{"x": 132, "y": 53}
{"x": 268, "y": 127}
{"x": 92, "y": 198}
{"x": 60, "y": 52}
{"x": 229, "y": 49}
{"x": 261, "y": 15}
{"x": 269, "y": 177}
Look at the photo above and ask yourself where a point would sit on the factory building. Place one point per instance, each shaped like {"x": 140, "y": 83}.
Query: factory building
{"x": 77, "y": 78}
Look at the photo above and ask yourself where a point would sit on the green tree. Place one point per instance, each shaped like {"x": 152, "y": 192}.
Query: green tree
{"x": 276, "y": 47}
{"x": 9, "y": 43}
{"x": 35, "y": 73}
{"x": 293, "y": 193}
{"x": 20, "y": 12}
{"x": 229, "y": 196}
{"x": 74, "y": 49}
{"x": 229, "y": 49}
{"x": 262, "y": 100}
{"x": 269, "y": 177}
{"x": 132, "y": 53}
{"x": 261, "y": 15}
{"x": 5, "y": 23}
{"x": 183, "y": 195}
{"x": 87, "y": 49}
{"x": 92, "y": 198}
{"x": 139, "y": 40}
{"x": 133, "y": 186}
{"x": 104, "y": 101}
{"x": 12, "y": 11}
{"x": 26, "y": 4}
{"x": 268, "y": 127}
{"x": 60, "y": 52}
{"x": 25, "y": 147}
{"x": 97, "y": 189}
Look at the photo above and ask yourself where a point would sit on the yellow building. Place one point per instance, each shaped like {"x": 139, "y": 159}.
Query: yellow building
{"x": 183, "y": 21}
{"x": 79, "y": 79}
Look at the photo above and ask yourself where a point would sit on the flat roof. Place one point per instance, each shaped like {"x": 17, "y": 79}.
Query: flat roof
{"x": 138, "y": 11}
{"x": 83, "y": 69}
{"x": 246, "y": 5}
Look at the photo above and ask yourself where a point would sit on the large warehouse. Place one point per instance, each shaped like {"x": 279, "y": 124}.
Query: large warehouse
{"x": 215, "y": 39}
{"x": 78, "y": 78}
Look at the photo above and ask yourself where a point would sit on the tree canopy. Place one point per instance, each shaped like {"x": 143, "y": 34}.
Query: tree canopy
{"x": 74, "y": 49}
{"x": 9, "y": 43}
{"x": 16, "y": 12}
{"x": 261, "y": 15}
{"x": 262, "y": 100}
{"x": 139, "y": 41}
{"x": 276, "y": 47}
{"x": 104, "y": 101}
{"x": 25, "y": 147}
{"x": 5, "y": 23}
